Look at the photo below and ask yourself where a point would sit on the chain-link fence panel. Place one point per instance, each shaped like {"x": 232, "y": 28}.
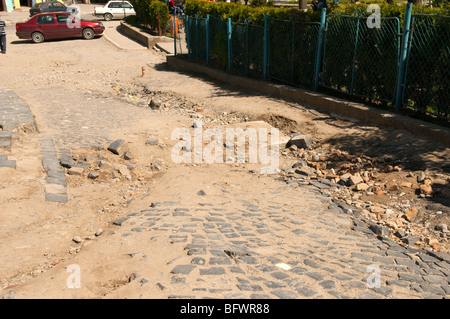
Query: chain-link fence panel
{"x": 361, "y": 60}
{"x": 292, "y": 51}
{"x": 196, "y": 37}
{"x": 427, "y": 77}
{"x": 218, "y": 42}
{"x": 247, "y": 45}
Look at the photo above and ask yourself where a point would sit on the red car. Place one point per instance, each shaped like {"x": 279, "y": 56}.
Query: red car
{"x": 57, "y": 25}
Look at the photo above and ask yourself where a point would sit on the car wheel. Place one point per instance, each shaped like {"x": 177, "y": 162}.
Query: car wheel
{"x": 88, "y": 34}
{"x": 108, "y": 16}
{"x": 37, "y": 37}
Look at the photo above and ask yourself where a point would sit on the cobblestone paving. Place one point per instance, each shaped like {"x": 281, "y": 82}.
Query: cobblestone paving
{"x": 293, "y": 241}
{"x": 79, "y": 121}
{"x": 282, "y": 247}
{"x": 13, "y": 111}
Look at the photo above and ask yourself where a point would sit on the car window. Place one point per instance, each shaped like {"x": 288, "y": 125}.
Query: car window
{"x": 47, "y": 19}
{"x": 58, "y": 5}
{"x": 126, "y": 5}
{"x": 61, "y": 18}
{"x": 114, "y": 5}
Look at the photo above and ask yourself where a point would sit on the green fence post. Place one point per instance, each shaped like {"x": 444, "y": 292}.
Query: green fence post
{"x": 292, "y": 50}
{"x": 229, "y": 45}
{"x": 402, "y": 61}
{"x": 188, "y": 40}
{"x": 246, "y": 48}
{"x": 174, "y": 35}
{"x": 266, "y": 47}
{"x": 319, "y": 49}
{"x": 354, "y": 56}
{"x": 207, "y": 38}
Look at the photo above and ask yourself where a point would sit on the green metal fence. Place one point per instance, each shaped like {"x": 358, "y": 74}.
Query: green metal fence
{"x": 247, "y": 48}
{"x": 406, "y": 68}
{"x": 359, "y": 60}
{"x": 427, "y": 76}
{"x": 196, "y": 35}
{"x": 292, "y": 51}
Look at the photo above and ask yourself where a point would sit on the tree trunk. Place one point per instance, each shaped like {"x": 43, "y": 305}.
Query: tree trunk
{"x": 302, "y": 4}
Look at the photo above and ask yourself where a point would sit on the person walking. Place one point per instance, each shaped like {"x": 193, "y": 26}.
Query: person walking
{"x": 2, "y": 36}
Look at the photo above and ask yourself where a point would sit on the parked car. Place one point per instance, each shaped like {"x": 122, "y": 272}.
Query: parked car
{"x": 47, "y": 7}
{"x": 58, "y": 25}
{"x": 114, "y": 10}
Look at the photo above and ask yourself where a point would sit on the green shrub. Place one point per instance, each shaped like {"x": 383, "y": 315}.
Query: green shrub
{"x": 261, "y": 3}
{"x": 142, "y": 10}
{"x": 239, "y": 13}
{"x": 160, "y": 7}
{"x": 255, "y": 13}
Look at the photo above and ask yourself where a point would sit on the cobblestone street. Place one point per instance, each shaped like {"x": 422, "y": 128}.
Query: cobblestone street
{"x": 139, "y": 225}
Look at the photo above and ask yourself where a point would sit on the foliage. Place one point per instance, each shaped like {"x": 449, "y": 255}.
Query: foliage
{"x": 255, "y": 14}
{"x": 158, "y": 7}
{"x": 147, "y": 12}
{"x": 241, "y": 13}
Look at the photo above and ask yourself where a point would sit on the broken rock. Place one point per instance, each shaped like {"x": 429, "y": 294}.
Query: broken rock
{"x": 355, "y": 180}
{"x": 76, "y": 171}
{"x": 301, "y": 141}
{"x": 411, "y": 214}
{"x": 116, "y": 146}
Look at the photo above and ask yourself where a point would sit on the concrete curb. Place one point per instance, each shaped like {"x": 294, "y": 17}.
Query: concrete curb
{"x": 325, "y": 103}
{"x": 145, "y": 39}
{"x": 112, "y": 42}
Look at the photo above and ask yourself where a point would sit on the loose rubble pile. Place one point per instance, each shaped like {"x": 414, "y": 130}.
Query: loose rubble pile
{"x": 385, "y": 193}
{"x": 114, "y": 164}
{"x": 175, "y": 103}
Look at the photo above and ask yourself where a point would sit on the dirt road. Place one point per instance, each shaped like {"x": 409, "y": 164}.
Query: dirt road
{"x": 139, "y": 225}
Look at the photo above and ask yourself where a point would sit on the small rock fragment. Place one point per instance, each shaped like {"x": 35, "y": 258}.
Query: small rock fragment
{"x": 77, "y": 239}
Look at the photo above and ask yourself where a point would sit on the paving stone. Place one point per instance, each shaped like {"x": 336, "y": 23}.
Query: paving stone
{"x": 404, "y": 261}
{"x": 279, "y": 275}
{"x": 400, "y": 283}
{"x": 219, "y": 261}
{"x": 259, "y": 296}
{"x": 273, "y": 285}
{"x": 120, "y": 221}
{"x": 306, "y": 291}
{"x": 433, "y": 289}
{"x": 183, "y": 269}
{"x": 328, "y": 284}
{"x": 368, "y": 295}
{"x": 311, "y": 263}
{"x": 300, "y": 232}
{"x": 59, "y": 198}
{"x": 8, "y": 163}
{"x": 249, "y": 287}
{"x": 315, "y": 275}
{"x": 299, "y": 270}
{"x": 212, "y": 271}
{"x": 236, "y": 269}
{"x": 284, "y": 294}
{"x": 410, "y": 278}
{"x": 177, "y": 280}
{"x": 234, "y": 296}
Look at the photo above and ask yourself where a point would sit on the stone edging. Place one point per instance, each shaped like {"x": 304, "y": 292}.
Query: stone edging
{"x": 144, "y": 38}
